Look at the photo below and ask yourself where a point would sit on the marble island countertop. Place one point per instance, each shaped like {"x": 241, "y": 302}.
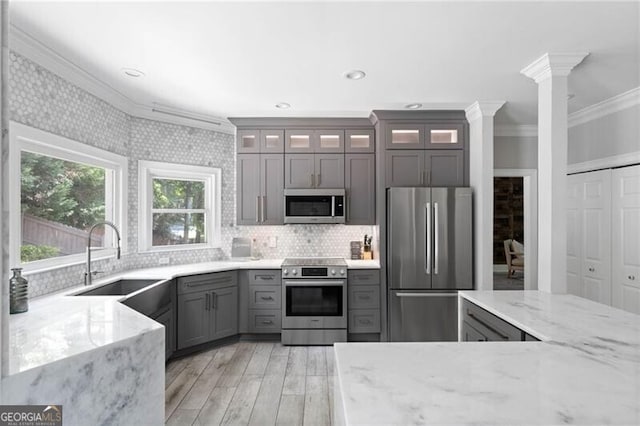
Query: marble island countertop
{"x": 586, "y": 370}
{"x": 59, "y": 326}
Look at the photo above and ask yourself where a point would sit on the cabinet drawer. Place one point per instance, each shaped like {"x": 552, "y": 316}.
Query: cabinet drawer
{"x": 363, "y": 277}
{"x": 265, "y": 321}
{"x": 265, "y": 297}
{"x": 364, "y": 321}
{"x": 206, "y": 282}
{"x": 488, "y": 324}
{"x": 267, "y": 276}
{"x": 364, "y": 297}
{"x": 470, "y": 334}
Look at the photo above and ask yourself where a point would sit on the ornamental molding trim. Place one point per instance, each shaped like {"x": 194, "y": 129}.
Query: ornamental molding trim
{"x": 553, "y": 64}
{"x": 612, "y": 105}
{"x": 33, "y": 49}
{"x": 480, "y": 109}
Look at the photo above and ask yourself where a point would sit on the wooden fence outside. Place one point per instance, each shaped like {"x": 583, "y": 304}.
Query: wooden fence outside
{"x": 67, "y": 239}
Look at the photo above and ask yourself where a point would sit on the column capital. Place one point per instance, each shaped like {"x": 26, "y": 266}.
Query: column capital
{"x": 553, "y": 64}
{"x": 480, "y": 109}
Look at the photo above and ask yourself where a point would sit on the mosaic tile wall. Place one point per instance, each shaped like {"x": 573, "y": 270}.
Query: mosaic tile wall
{"x": 41, "y": 99}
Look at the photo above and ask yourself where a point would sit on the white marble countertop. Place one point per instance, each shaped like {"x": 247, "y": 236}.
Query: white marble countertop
{"x": 585, "y": 371}
{"x": 58, "y": 326}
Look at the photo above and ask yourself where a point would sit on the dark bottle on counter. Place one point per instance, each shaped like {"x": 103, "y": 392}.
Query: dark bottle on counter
{"x": 18, "y": 292}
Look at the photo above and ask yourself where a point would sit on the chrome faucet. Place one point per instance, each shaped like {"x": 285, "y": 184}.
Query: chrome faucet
{"x": 88, "y": 275}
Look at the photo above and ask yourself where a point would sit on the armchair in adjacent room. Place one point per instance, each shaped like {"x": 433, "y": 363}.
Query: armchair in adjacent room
{"x": 514, "y": 253}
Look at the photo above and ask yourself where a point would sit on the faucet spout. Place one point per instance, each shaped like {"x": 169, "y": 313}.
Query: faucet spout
{"x": 88, "y": 275}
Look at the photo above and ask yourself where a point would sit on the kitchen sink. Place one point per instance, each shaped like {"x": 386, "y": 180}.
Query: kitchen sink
{"x": 118, "y": 288}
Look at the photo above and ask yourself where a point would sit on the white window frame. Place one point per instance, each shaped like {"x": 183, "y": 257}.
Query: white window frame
{"x": 212, "y": 177}
{"x": 25, "y": 138}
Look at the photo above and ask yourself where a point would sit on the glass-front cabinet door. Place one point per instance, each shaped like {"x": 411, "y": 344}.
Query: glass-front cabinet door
{"x": 298, "y": 140}
{"x": 405, "y": 136}
{"x": 359, "y": 140}
{"x": 272, "y": 141}
{"x": 329, "y": 141}
{"x": 444, "y": 136}
{"x": 248, "y": 141}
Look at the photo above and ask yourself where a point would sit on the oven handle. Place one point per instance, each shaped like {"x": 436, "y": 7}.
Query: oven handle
{"x": 315, "y": 283}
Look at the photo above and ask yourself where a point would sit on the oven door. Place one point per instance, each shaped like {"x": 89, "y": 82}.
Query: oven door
{"x": 314, "y": 304}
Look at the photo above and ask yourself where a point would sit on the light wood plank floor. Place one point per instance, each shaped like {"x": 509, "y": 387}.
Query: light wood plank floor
{"x": 251, "y": 383}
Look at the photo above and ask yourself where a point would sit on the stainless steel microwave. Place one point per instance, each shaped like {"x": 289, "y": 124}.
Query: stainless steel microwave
{"x": 314, "y": 206}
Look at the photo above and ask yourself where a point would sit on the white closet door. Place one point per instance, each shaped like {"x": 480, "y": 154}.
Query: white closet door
{"x": 595, "y": 225}
{"x": 574, "y": 238}
{"x": 626, "y": 238}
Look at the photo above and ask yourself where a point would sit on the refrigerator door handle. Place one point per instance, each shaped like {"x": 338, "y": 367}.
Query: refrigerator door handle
{"x": 437, "y": 247}
{"x": 426, "y": 294}
{"x": 427, "y": 242}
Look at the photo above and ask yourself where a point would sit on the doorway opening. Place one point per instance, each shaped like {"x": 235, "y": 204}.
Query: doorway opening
{"x": 515, "y": 229}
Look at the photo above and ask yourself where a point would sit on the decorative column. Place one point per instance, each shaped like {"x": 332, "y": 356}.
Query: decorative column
{"x": 550, "y": 71}
{"x": 480, "y": 116}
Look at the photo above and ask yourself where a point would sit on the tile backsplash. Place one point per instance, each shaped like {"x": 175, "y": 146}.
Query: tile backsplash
{"x": 41, "y": 99}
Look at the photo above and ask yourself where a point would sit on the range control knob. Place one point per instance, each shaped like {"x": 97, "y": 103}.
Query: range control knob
{"x": 333, "y": 272}
{"x": 285, "y": 272}
{"x": 294, "y": 272}
{"x": 341, "y": 271}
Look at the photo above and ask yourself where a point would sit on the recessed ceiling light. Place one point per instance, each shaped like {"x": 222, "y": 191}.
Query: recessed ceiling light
{"x": 355, "y": 75}
{"x": 413, "y": 106}
{"x": 283, "y": 105}
{"x": 132, "y": 72}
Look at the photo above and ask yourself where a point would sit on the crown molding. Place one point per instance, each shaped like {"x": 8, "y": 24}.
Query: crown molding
{"x": 620, "y": 160}
{"x": 617, "y": 103}
{"x": 36, "y": 51}
{"x": 516, "y": 130}
{"x": 480, "y": 109}
{"x": 553, "y": 64}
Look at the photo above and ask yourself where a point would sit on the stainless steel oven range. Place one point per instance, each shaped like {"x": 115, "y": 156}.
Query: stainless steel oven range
{"x": 314, "y": 311}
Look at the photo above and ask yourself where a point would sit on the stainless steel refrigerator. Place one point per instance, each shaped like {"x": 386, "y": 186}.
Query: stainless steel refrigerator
{"x": 429, "y": 258}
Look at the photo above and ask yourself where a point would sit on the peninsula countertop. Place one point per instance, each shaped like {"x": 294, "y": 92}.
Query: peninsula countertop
{"x": 586, "y": 370}
{"x": 58, "y": 326}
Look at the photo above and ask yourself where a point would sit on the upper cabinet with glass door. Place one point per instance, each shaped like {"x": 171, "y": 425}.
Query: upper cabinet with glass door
{"x": 444, "y": 136}
{"x": 405, "y": 136}
{"x": 305, "y": 141}
{"x": 249, "y": 141}
{"x": 359, "y": 140}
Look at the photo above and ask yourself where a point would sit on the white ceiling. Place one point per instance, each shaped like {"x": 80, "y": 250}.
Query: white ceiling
{"x": 240, "y": 58}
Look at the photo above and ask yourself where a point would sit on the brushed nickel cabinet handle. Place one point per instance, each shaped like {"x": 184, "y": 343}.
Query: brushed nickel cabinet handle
{"x": 267, "y": 322}
{"x": 262, "y": 207}
{"x": 206, "y": 302}
{"x": 266, "y": 298}
{"x": 258, "y": 209}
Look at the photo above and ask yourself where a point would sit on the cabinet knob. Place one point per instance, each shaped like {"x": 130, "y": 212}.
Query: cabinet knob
{"x": 592, "y": 269}
{"x": 631, "y": 277}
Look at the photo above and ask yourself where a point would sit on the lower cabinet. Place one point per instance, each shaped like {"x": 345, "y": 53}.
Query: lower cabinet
{"x": 207, "y": 308}
{"x": 479, "y": 325}
{"x": 363, "y": 301}
{"x": 260, "y": 301}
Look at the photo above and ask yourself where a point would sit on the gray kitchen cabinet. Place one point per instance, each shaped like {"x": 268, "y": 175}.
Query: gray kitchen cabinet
{"x": 207, "y": 308}
{"x": 359, "y": 184}
{"x": 271, "y": 141}
{"x": 444, "y": 136}
{"x": 248, "y": 189}
{"x": 444, "y": 167}
{"x": 261, "y": 302}
{"x": 363, "y": 301}
{"x": 260, "y": 186}
{"x": 404, "y": 168}
{"x": 359, "y": 140}
{"x": 193, "y": 319}
{"x": 481, "y": 325}
{"x": 407, "y": 135}
{"x": 425, "y": 168}
{"x": 167, "y": 320}
{"x": 224, "y": 312}
{"x": 271, "y": 189}
{"x": 265, "y": 321}
{"x": 309, "y": 141}
{"x": 329, "y": 170}
{"x": 248, "y": 141}
{"x": 314, "y": 171}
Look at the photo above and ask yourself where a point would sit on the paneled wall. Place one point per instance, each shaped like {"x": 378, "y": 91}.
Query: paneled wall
{"x": 41, "y": 99}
